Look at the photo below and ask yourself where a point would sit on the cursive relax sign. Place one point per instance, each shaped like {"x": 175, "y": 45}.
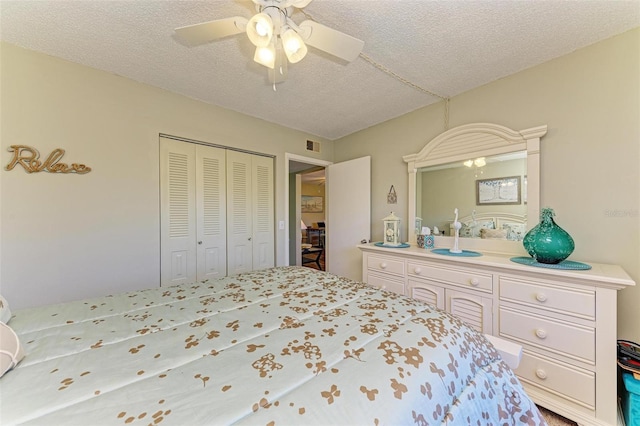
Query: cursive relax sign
{"x": 29, "y": 158}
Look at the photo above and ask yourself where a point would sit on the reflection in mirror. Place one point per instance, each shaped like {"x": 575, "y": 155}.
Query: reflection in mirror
{"x": 489, "y": 192}
{"x": 490, "y": 173}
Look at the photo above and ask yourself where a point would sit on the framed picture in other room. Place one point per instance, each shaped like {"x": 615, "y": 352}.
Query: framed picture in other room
{"x": 312, "y": 204}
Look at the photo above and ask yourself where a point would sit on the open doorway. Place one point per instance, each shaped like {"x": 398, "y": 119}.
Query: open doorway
{"x": 313, "y": 216}
{"x": 307, "y": 218}
{"x": 347, "y": 212}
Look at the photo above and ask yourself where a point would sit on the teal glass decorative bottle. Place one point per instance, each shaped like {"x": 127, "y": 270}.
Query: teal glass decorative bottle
{"x": 547, "y": 242}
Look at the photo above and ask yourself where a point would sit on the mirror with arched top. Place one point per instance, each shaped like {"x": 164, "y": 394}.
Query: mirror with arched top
{"x": 490, "y": 173}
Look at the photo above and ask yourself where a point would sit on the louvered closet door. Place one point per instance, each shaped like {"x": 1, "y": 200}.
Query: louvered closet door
{"x": 239, "y": 213}
{"x": 178, "y": 213}
{"x": 263, "y": 212}
{"x": 211, "y": 212}
{"x": 217, "y": 212}
{"x": 250, "y": 212}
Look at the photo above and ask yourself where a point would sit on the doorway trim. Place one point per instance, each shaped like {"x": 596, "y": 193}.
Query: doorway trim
{"x": 301, "y": 159}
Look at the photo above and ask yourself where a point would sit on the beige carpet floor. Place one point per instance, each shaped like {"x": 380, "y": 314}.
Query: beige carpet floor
{"x": 555, "y": 419}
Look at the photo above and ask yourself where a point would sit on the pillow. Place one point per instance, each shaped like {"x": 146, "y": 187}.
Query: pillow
{"x": 465, "y": 231}
{"x": 11, "y": 352}
{"x": 5, "y": 312}
{"x": 515, "y": 231}
{"x": 487, "y": 225}
{"x": 493, "y": 233}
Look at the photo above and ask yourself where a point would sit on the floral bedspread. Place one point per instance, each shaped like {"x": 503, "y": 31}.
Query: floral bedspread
{"x": 286, "y": 345}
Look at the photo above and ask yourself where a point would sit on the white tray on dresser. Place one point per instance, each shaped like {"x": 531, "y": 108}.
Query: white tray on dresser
{"x": 565, "y": 320}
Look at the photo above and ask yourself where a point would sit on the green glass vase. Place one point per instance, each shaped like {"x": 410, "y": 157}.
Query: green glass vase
{"x": 547, "y": 242}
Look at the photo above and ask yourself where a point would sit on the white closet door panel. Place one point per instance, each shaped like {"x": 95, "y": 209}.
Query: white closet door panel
{"x": 263, "y": 212}
{"x": 211, "y": 210}
{"x": 239, "y": 258}
{"x": 179, "y": 267}
{"x": 211, "y": 265}
{"x": 239, "y": 213}
{"x": 178, "y": 213}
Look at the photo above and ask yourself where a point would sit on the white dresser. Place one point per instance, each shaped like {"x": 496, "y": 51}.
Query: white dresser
{"x": 564, "y": 320}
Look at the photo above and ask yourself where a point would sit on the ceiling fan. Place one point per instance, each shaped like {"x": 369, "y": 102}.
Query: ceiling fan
{"x": 278, "y": 39}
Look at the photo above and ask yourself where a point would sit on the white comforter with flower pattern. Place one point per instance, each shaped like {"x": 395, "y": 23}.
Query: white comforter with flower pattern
{"x": 281, "y": 346}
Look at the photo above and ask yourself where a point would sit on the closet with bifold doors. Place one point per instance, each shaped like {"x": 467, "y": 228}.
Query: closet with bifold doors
{"x": 216, "y": 211}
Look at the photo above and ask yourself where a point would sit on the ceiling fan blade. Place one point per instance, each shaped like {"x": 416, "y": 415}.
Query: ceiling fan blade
{"x": 193, "y": 35}
{"x": 331, "y": 41}
{"x": 300, "y": 3}
{"x": 283, "y": 4}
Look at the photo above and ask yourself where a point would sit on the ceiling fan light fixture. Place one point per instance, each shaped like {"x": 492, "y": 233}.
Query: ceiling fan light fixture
{"x": 277, "y": 38}
{"x": 266, "y": 56}
{"x": 260, "y": 29}
{"x": 294, "y": 47}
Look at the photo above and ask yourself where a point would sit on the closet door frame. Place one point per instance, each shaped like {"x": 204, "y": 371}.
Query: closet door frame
{"x": 264, "y": 250}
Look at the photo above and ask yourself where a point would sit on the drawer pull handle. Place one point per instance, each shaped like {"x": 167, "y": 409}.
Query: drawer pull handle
{"x": 383, "y": 265}
{"x": 541, "y": 297}
{"x": 541, "y": 333}
{"x": 541, "y": 374}
{"x": 417, "y": 271}
{"x": 474, "y": 282}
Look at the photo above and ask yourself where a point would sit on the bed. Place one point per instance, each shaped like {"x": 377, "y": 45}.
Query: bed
{"x": 287, "y": 345}
{"x": 496, "y": 225}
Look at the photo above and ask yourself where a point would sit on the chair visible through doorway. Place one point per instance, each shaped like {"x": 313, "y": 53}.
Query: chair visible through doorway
{"x": 313, "y": 254}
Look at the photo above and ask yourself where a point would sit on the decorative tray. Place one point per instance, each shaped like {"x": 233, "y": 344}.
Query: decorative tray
{"x": 381, "y": 244}
{"x": 465, "y": 253}
{"x": 565, "y": 264}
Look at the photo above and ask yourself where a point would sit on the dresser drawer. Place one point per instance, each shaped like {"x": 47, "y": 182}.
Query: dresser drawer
{"x": 462, "y": 277}
{"x": 385, "y": 264}
{"x": 548, "y": 333}
{"x": 561, "y": 299}
{"x": 577, "y": 384}
{"x": 383, "y": 282}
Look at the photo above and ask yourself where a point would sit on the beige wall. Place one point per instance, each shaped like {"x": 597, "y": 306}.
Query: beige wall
{"x": 73, "y": 236}
{"x": 69, "y": 237}
{"x": 590, "y": 99}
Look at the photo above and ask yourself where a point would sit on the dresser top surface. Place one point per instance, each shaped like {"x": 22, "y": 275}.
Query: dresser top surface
{"x": 600, "y": 274}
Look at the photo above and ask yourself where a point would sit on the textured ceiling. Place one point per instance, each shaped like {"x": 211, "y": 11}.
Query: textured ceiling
{"x": 443, "y": 47}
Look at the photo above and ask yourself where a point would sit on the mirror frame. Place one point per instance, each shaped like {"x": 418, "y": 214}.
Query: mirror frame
{"x": 472, "y": 141}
